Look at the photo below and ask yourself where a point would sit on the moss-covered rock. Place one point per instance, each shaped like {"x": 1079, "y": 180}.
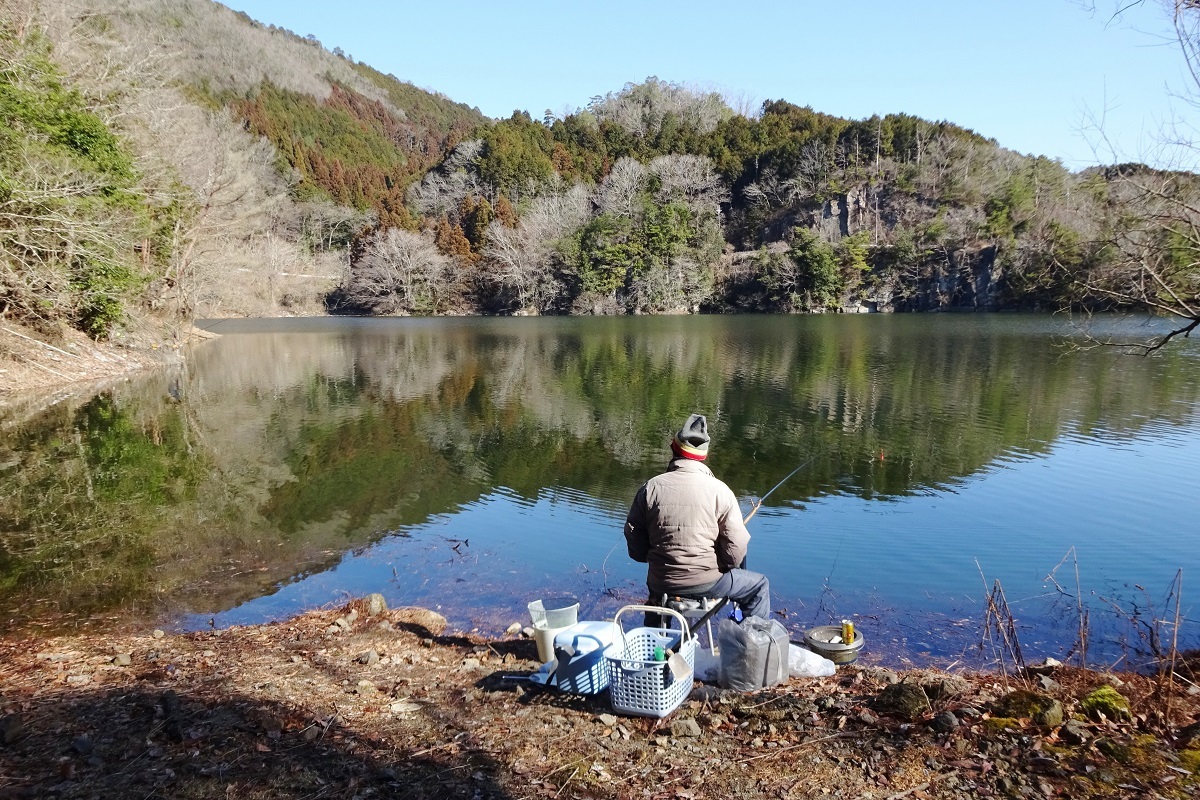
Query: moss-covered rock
{"x": 905, "y": 700}
{"x": 1045, "y": 711}
{"x": 1115, "y": 750}
{"x": 1190, "y": 760}
{"x": 1106, "y": 702}
{"x": 1001, "y": 724}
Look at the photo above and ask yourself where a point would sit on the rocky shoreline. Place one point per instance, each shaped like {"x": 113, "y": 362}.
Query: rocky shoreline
{"x": 36, "y": 374}
{"x": 364, "y": 702}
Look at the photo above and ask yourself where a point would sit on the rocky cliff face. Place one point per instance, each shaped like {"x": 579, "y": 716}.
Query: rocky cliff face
{"x": 970, "y": 279}
{"x": 841, "y": 216}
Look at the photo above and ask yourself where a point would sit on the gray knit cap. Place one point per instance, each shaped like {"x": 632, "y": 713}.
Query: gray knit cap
{"x": 692, "y": 439}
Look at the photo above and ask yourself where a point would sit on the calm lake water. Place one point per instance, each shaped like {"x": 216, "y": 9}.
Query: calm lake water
{"x": 474, "y": 465}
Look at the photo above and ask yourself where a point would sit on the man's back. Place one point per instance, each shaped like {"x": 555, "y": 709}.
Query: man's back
{"x": 690, "y": 525}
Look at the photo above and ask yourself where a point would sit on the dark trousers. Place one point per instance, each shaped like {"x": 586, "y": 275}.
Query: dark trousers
{"x": 750, "y": 590}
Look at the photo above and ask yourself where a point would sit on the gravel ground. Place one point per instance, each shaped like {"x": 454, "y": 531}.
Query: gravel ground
{"x": 350, "y": 704}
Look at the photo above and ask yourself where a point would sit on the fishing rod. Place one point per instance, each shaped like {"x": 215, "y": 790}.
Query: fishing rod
{"x": 712, "y": 611}
{"x": 762, "y": 499}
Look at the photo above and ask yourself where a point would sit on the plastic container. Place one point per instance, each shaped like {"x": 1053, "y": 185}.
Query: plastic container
{"x": 545, "y": 641}
{"x": 550, "y": 618}
{"x": 579, "y": 651}
{"x": 559, "y": 612}
{"x": 637, "y": 684}
{"x": 826, "y": 640}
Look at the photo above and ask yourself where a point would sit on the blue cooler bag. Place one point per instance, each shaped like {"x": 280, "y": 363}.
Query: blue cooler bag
{"x": 580, "y": 651}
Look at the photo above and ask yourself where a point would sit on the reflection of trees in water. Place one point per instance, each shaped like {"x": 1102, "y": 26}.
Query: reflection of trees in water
{"x": 297, "y": 446}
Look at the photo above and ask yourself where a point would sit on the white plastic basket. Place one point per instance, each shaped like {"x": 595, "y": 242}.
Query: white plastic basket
{"x": 637, "y": 684}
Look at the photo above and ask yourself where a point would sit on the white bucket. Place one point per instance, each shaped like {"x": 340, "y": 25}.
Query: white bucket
{"x": 551, "y": 617}
{"x": 545, "y": 640}
{"x": 556, "y": 613}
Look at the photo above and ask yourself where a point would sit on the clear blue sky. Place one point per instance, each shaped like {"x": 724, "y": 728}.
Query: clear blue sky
{"x": 1028, "y": 73}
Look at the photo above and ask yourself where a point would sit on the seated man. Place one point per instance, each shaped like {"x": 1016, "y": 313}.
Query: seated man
{"x": 686, "y": 524}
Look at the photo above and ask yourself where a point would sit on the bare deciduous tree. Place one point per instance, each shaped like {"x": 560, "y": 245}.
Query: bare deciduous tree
{"x": 49, "y": 223}
{"x": 771, "y": 192}
{"x": 522, "y": 259}
{"x": 690, "y": 179}
{"x": 620, "y": 191}
{"x": 1153, "y": 255}
{"x": 234, "y": 188}
{"x": 641, "y": 108}
{"x": 443, "y": 188}
{"x": 400, "y": 272}
{"x": 678, "y": 287}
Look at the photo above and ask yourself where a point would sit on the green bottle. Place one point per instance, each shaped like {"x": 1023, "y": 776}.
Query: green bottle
{"x": 660, "y": 654}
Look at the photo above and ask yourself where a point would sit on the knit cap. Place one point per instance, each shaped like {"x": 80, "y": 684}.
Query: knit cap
{"x": 692, "y": 439}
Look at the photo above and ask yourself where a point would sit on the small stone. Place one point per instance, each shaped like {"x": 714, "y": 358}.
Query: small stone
{"x": 1045, "y": 668}
{"x": 370, "y": 658}
{"x": 333, "y": 629}
{"x": 427, "y": 642}
{"x": 940, "y": 685}
{"x": 882, "y": 675}
{"x": 944, "y": 722}
{"x": 342, "y": 623}
{"x": 685, "y": 727}
{"x": 607, "y": 720}
{"x": 867, "y": 718}
{"x": 122, "y": 659}
{"x": 376, "y": 605}
{"x": 1051, "y": 716}
{"x": 1074, "y": 732}
{"x": 352, "y": 616}
{"x": 513, "y": 629}
{"x": 404, "y": 707}
{"x": 11, "y": 728}
{"x": 471, "y": 663}
{"x": 527, "y": 632}
{"x": 705, "y": 693}
{"x": 158, "y": 634}
{"x": 365, "y": 687}
{"x": 78, "y": 680}
{"x": 413, "y": 618}
{"x": 208, "y": 653}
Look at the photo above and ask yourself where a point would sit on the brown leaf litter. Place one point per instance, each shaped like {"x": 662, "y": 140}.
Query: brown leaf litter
{"x": 350, "y": 704}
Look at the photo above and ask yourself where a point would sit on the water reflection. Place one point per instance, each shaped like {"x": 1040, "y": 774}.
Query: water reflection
{"x": 475, "y": 463}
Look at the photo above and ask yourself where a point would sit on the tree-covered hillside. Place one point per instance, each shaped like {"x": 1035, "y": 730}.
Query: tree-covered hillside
{"x": 201, "y": 163}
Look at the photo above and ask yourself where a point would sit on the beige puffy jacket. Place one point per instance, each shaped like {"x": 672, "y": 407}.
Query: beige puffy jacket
{"x": 686, "y": 524}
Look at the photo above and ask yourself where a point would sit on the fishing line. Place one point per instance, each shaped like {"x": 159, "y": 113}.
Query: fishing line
{"x": 762, "y": 499}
